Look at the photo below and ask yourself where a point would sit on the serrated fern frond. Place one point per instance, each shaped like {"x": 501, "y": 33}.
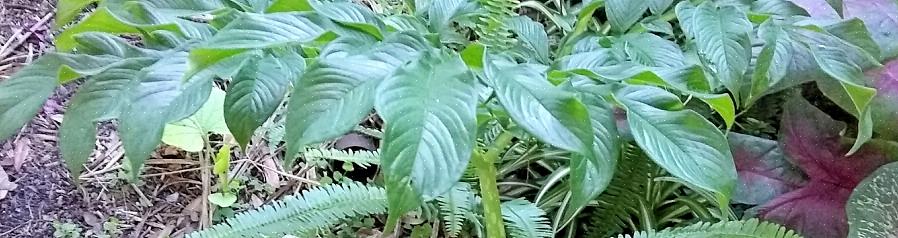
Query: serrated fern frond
{"x": 524, "y": 219}
{"x": 621, "y": 198}
{"x": 747, "y": 228}
{"x": 361, "y": 158}
{"x": 455, "y": 207}
{"x": 314, "y": 209}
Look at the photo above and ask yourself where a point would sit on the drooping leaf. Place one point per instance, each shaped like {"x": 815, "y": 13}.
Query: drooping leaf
{"x": 189, "y": 134}
{"x": 722, "y": 37}
{"x": 813, "y": 141}
{"x": 845, "y": 63}
{"x": 685, "y": 144}
{"x": 774, "y": 60}
{"x": 532, "y": 35}
{"x": 429, "y": 109}
{"x": 854, "y": 32}
{"x": 24, "y": 92}
{"x": 624, "y": 13}
{"x": 871, "y": 210}
{"x": 101, "y": 98}
{"x": 337, "y": 91}
{"x": 257, "y": 91}
{"x": 764, "y": 172}
{"x": 590, "y": 175}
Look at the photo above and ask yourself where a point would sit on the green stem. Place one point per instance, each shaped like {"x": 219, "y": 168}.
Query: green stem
{"x": 489, "y": 190}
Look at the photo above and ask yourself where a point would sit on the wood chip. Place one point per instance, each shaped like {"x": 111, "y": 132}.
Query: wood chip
{"x": 23, "y": 149}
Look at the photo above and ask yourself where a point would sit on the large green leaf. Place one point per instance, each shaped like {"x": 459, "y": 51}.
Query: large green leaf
{"x": 257, "y": 91}
{"x": 257, "y": 31}
{"x": 853, "y": 31}
{"x": 550, "y": 114}
{"x": 624, "y": 13}
{"x": 659, "y": 6}
{"x": 22, "y": 95}
{"x": 160, "y": 97}
{"x": 100, "y": 98}
{"x": 835, "y": 57}
{"x": 337, "y": 91}
{"x": 289, "y": 6}
{"x": 686, "y": 145}
{"x": 871, "y": 208}
{"x": 774, "y": 60}
{"x": 650, "y": 50}
{"x": 429, "y": 108}
{"x": 352, "y": 15}
{"x": 590, "y": 175}
{"x": 722, "y": 37}
{"x": 532, "y": 35}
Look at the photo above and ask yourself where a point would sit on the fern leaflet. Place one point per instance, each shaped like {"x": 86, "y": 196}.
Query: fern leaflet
{"x": 525, "y": 220}
{"x": 747, "y": 228}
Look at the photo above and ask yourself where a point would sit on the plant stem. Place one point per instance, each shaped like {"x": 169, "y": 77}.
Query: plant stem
{"x": 486, "y": 170}
{"x": 206, "y": 214}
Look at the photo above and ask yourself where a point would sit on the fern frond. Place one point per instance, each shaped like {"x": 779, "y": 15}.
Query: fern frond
{"x": 314, "y": 209}
{"x": 627, "y": 188}
{"x": 747, "y": 228}
{"x": 454, "y": 207}
{"x": 491, "y": 28}
{"x": 361, "y": 158}
{"x": 524, "y": 220}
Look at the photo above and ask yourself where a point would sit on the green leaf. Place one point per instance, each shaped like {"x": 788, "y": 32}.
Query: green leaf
{"x": 289, "y": 6}
{"x": 222, "y": 161}
{"x": 104, "y": 21}
{"x": 404, "y": 22}
{"x": 257, "y": 91}
{"x": 853, "y": 31}
{"x": 624, "y": 13}
{"x": 337, "y": 91}
{"x": 190, "y": 133}
{"x": 162, "y": 96}
{"x": 686, "y": 145}
{"x": 650, "y": 50}
{"x": 659, "y": 6}
{"x": 783, "y": 8}
{"x": 550, "y": 114}
{"x": 223, "y": 199}
{"x": 97, "y": 43}
{"x": 67, "y": 10}
{"x": 473, "y": 55}
{"x": 722, "y": 37}
{"x": 101, "y": 98}
{"x": 429, "y": 108}
{"x": 837, "y": 5}
{"x": 871, "y": 210}
{"x": 441, "y": 13}
{"x": 725, "y": 229}
{"x": 353, "y": 16}
{"x": 590, "y": 175}
{"x": 532, "y": 35}
{"x": 773, "y": 62}
{"x": 257, "y": 31}
{"x": 834, "y": 58}
{"x": 22, "y": 95}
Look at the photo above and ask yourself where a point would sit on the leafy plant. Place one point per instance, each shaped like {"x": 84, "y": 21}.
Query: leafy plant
{"x": 460, "y": 83}
{"x": 745, "y": 228}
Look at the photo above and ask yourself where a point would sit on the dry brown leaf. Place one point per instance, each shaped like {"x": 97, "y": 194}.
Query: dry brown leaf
{"x": 5, "y": 184}
{"x": 23, "y": 149}
{"x": 271, "y": 177}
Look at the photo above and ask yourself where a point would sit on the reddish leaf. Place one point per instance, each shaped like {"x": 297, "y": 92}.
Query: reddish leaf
{"x": 812, "y": 139}
{"x": 764, "y": 172}
{"x": 885, "y": 105}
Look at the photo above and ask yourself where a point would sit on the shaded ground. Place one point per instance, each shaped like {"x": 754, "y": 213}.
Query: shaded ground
{"x": 39, "y": 191}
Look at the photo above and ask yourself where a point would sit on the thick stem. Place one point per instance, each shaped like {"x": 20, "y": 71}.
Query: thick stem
{"x": 492, "y": 212}
{"x": 205, "y": 177}
{"x": 486, "y": 170}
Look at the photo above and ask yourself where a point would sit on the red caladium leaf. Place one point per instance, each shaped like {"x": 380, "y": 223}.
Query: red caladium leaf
{"x": 764, "y": 172}
{"x": 812, "y": 139}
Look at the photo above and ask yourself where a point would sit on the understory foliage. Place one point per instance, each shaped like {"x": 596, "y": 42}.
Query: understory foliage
{"x": 511, "y": 118}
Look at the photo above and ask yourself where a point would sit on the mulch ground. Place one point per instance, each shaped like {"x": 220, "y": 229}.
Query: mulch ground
{"x": 36, "y": 189}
